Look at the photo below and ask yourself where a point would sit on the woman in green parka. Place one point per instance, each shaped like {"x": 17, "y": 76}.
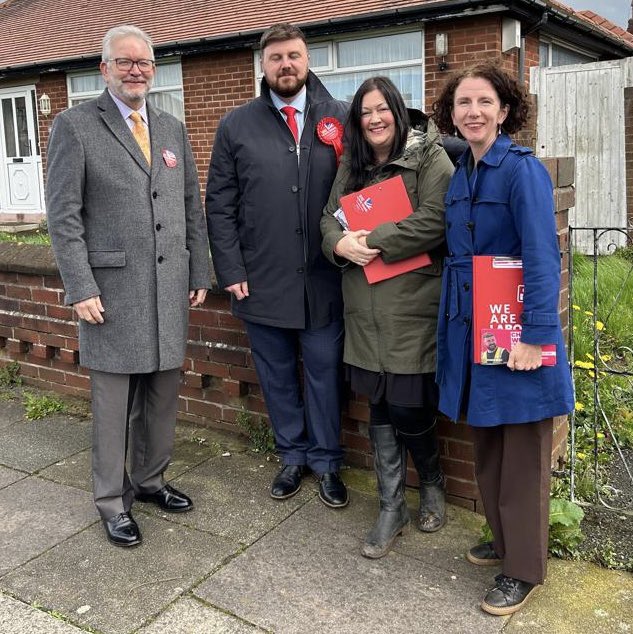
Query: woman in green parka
{"x": 390, "y": 326}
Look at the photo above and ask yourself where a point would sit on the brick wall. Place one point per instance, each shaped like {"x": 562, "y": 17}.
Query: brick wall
{"x": 219, "y": 379}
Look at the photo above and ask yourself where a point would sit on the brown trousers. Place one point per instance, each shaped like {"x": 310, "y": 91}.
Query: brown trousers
{"x": 513, "y": 468}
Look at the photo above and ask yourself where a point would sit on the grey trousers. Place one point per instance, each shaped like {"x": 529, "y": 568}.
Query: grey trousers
{"x": 513, "y": 468}
{"x": 139, "y": 409}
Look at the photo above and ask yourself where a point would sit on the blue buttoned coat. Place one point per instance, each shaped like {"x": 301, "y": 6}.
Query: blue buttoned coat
{"x": 505, "y": 207}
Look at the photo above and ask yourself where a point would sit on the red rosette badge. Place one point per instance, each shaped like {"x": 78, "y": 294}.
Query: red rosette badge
{"x": 330, "y": 132}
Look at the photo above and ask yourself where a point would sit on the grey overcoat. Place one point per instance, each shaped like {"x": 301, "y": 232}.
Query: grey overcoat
{"x": 136, "y": 237}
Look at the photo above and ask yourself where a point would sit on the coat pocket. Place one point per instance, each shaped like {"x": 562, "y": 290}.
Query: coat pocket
{"x": 106, "y": 259}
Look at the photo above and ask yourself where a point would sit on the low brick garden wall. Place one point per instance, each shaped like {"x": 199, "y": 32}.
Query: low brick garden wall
{"x": 218, "y": 377}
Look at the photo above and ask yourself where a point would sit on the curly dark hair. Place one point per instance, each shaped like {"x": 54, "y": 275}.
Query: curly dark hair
{"x": 508, "y": 90}
{"x": 361, "y": 153}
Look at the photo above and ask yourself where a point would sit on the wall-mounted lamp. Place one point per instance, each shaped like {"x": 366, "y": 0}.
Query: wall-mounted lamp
{"x": 441, "y": 49}
{"x": 45, "y": 104}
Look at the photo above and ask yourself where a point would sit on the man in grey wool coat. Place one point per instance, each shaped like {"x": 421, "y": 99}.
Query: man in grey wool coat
{"x": 129, "y": 236}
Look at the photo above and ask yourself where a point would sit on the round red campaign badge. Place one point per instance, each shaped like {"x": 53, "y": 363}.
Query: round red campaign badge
{"x": 330, "y": 132}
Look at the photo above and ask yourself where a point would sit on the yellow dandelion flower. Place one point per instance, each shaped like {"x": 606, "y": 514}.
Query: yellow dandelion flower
{"x": 599, "y": 325}
{"x": 605, "y": 357}
{"x": 580, "y": 455}
{"x": 600, "y": 435}
{"x": 579, "y": 406}
{"x": 588, "y": 313}
{"x": 590, "y": 356}
{"x": 575, "y": 306}
{"x": 592, "y": 374}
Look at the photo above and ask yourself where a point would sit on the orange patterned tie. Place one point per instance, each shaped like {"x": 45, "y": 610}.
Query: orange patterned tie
{"x": 141, "y": 134}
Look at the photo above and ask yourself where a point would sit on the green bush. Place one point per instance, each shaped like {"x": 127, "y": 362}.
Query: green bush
{"x": 38, "y": 406}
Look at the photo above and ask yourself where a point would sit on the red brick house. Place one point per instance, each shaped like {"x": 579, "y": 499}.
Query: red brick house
{"x": 208, "y": 62}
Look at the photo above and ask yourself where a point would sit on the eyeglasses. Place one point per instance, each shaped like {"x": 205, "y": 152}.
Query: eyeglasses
{"x": 123, "y": 63}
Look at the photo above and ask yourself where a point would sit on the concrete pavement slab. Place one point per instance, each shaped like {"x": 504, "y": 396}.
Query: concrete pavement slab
{"x": 115, "y": 590}
{"x": 304, "y": 577}
{"x": 19, "y": 618}
{"x": 12, "y": 411}
{"x": 73, "y": 471}
{"x": 35, "y": 515}
{"x": 578, "y": 598}
{"x": 8, "y": 476}
{"x": 446, "y": 548}
{"x": 33, "y": 445}
{"x": 231, "y": 497}
{"x": 190, "y": 616}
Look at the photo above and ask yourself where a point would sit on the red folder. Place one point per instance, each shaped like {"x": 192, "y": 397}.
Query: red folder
{"x": 497, "y": 306}
{"x": 387, "y": 201}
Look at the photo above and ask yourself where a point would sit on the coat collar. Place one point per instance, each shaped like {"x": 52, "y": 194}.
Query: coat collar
{"x": 494, "y": 156}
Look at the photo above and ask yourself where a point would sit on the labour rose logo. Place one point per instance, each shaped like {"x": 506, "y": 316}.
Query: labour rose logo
{"x": 169, "y": 158}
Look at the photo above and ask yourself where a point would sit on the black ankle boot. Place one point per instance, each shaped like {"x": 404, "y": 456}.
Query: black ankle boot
{"x": 390, "y": 467}
{"x": 425, "y": 453}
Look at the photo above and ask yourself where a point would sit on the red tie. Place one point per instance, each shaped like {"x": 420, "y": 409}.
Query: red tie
{"x": 290, "y": 112}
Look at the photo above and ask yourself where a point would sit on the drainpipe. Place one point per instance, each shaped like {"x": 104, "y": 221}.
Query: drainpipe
{"x": 535, "y": 26}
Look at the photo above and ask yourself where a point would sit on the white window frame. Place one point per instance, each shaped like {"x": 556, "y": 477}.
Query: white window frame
{"x": 95, "y": 93}
{"x": 332, "y": 67}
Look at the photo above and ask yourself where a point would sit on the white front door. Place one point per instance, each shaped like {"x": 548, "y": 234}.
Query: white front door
{"x": 20, "y": 161}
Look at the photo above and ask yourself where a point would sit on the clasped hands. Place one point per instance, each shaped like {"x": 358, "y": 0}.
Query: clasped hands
{"x": 525, "y": 356}
{"x": 353, "y": 247}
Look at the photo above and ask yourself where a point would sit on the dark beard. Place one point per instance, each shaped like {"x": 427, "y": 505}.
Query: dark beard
{"x": 289, "y": 92}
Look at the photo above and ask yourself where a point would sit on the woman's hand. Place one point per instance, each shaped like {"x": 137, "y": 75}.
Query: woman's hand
{"x": 353, "y": 247}
{"x": 525, "y": 356}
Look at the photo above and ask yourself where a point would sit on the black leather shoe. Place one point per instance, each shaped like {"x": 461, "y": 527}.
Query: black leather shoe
{"x": 287, "y": 482}
{"x": 483, "y": 555}
{"x": 332, "y": 491}
{"x": 508, "y": 595}
{"x": 122, "y": 530}
{"x": 168, "y": 498}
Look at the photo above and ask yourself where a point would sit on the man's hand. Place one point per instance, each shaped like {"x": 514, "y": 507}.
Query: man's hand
{"x": 90, "y": 310}
{"x": 525, "y": 356}
{"x": 239, "y": 290}
{"x": 196, "y": 298}
{"x": 353, "y": 247}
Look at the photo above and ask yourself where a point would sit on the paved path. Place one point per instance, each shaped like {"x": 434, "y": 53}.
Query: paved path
{"x": 242, "y": 562}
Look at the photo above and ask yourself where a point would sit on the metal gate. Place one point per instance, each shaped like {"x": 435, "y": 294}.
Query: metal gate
{"x": 602, "y": 361}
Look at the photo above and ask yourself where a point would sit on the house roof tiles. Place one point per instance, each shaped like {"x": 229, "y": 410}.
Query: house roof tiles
{"x": 38, "y": 31}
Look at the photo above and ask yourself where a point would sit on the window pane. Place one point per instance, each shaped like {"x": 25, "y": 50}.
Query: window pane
{"x": 380, "y": 50}
{"x": 90, "y": 82}
{"x": 562, "y": 56}
{"x": 168, "y": 75}
{"x": 408, "y": 81}
{"x": 543, "y": 54}
{"x": 319, "y": 55}
{"x": 22, "y": 126}
{"x": 170, "y": 101}
{"x": 9, "y": 130}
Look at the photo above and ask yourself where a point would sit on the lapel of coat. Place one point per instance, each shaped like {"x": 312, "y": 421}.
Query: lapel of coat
{"x": 158, "y": 139}
{"x": 117, "y": 125}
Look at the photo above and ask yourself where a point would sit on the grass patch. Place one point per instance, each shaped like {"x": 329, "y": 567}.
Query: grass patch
{"x": 10, "y": 375}
{"x": 38, "y": 406}
{"x": 258, "y": 432}
{"x": 35, "y": 237}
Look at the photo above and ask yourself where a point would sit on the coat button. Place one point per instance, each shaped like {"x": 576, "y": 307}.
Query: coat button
{"x": 292, "y": 148}
{"x": 160, "y": 259}
{"x": 299, "y": 231}
{"x": 294, "y": 189}
{"x": 154, "y": 195}
{"x": 159, "y": 227}
{"x": 466, "y": 286}
{"x": 300, "y": 269}
{"x": 470, "y": 225}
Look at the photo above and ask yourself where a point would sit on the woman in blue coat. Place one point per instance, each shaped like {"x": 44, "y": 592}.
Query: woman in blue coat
{"x": 500, "y": 202}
